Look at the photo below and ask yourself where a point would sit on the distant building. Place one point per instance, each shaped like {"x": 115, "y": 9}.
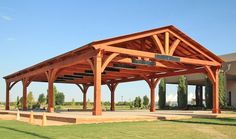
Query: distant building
{"x": 229, "y": 68}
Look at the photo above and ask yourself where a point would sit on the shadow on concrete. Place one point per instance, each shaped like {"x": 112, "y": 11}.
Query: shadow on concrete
{"x": 220, "y": 121}
{"x": 25, "y": 132}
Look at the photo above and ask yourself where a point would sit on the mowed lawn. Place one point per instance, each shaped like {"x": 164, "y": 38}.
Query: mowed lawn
{"x": 193, "y": 128}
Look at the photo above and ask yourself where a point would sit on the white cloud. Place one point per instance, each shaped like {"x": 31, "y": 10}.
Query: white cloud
{"x": 6, "y": 18}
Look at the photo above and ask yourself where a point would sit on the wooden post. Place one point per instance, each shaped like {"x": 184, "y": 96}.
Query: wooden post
{"x": 25, "y": 83}
{"x": 112, "y": 87}
{"x": 7, "y": 107}
{"x": 24, "y": 97}
{"x": 152, "y": 105}
{"x": 84, "y": 89}
{"x": 84, "y": 101}
{"x": 152, "y": 84}
{"x": 97, "y": 84}
{"x": 213, "y": 74}
{"x": 51, "y": 76}
{"x": 50, "y": 96}
{"x": 215, "y": 87}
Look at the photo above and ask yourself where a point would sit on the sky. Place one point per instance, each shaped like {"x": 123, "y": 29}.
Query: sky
{"x": 33, "y": 31}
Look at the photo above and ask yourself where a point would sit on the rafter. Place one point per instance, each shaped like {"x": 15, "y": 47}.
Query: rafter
{"x": 192, "y": 46}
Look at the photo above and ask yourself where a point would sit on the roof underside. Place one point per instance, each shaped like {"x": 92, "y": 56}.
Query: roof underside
{"x": 74, "y": 68}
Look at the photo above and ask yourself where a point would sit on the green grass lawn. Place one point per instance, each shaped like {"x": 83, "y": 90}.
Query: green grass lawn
{"x": 193, "y": 128}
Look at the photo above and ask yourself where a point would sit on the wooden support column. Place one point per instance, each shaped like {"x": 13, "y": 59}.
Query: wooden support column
{"x": 51, "y": 76}
{"x": 215, "y": 87}
{"x": 213, "y": 74}
{"x": 25, "y": 83}
{"x": 7, "y": 107}
{"x": 9, "y": 85}
{"x": 97, "y": 70}
{"x": 112, "y": 87}
{"x": 84, "y": 89}
{"x": 152, "y": 84}
{"x": 98, "y": 67}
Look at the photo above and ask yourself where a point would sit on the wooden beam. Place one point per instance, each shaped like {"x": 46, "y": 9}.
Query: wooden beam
{"x": 210, "y": 73}
{"x": 73, "y": 60}
{"x": 167, "y": 43}
{"x": 108, "y": 60}
{"x": 174, "y": 46}
{"x": 193, "y": 47}
{"x": 129, "y": 38}
{"x": 158, "y": 44}
{"x": 11, "y": 85}
{"x": 153, "y": 56}
{"x": 161, "y": 64}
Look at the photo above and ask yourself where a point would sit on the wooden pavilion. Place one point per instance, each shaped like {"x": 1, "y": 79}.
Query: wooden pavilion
{"x": 148, "y": 55}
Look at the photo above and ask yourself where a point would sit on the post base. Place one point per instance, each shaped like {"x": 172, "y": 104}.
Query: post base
{"x": 96, "y": 113}
{"x": 24, "y": 108}
{"x": 112, "y": 109}
{"x": 7, "y": 108}
{"x": 152, "y": 110}
{"x": 51, "y": 109}
{"x": 216, "y": 111}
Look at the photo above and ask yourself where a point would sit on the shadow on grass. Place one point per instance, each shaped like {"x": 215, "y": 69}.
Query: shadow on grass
{"x": 218, "y": 121}
{"x": 25, "y": 132}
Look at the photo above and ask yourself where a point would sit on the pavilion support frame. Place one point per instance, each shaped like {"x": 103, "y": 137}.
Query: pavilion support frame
{"x": 112, "y": 87}
{"x": 213, "y": 74}
{"x": 98, "y": 66}
{"x": 167, "y": 50}
{"x": 9, "y": 86}
{"x": 7, "y": 107}
{"x": 97, "y": 70}
{"x": 51, "y": 77}
{"x": 152, "y": 83}
{"x": 25, "y": 83}
{"x": 84, "y": 89}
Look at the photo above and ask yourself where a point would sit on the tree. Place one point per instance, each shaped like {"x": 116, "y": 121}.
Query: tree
{"x": 41, "y": 99}
{"x": 18, "y": 102}
{"x": 145, "y": 101}
{"x": 55, "y": 92}
{"x": 182, "y": 92}
{"x": 208, "y": 93}
{"x": 137, "y": 102}
{"x": 60, "y": 98}
{"x": 162, "y": 94}
{"x": 222, "y": 99}
{"x": 73, "y": 102}
{"x": 30, "y": 99}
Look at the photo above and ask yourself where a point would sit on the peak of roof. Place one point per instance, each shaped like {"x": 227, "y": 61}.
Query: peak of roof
{"x": 229, "y": 57}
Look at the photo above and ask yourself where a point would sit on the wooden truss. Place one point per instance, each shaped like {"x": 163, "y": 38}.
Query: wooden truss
{"x": 148, "y": 55}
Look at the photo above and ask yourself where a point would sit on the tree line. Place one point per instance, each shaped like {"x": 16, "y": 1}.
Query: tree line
{"x": 182, "y": 93}
{"x": 59, "y": 99}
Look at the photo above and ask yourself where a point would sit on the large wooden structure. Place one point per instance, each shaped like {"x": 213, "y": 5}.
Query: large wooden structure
{"x": 148, "y": 55}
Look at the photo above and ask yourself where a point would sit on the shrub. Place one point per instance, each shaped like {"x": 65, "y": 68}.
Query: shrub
{"x": 182, "y": 92}
{"x": 162, "y": 94}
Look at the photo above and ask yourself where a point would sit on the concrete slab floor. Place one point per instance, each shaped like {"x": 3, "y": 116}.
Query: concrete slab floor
{"x": 85, "y": 117}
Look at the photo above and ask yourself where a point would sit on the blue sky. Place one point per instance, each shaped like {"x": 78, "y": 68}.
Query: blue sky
{"x": 33, "y": 31}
